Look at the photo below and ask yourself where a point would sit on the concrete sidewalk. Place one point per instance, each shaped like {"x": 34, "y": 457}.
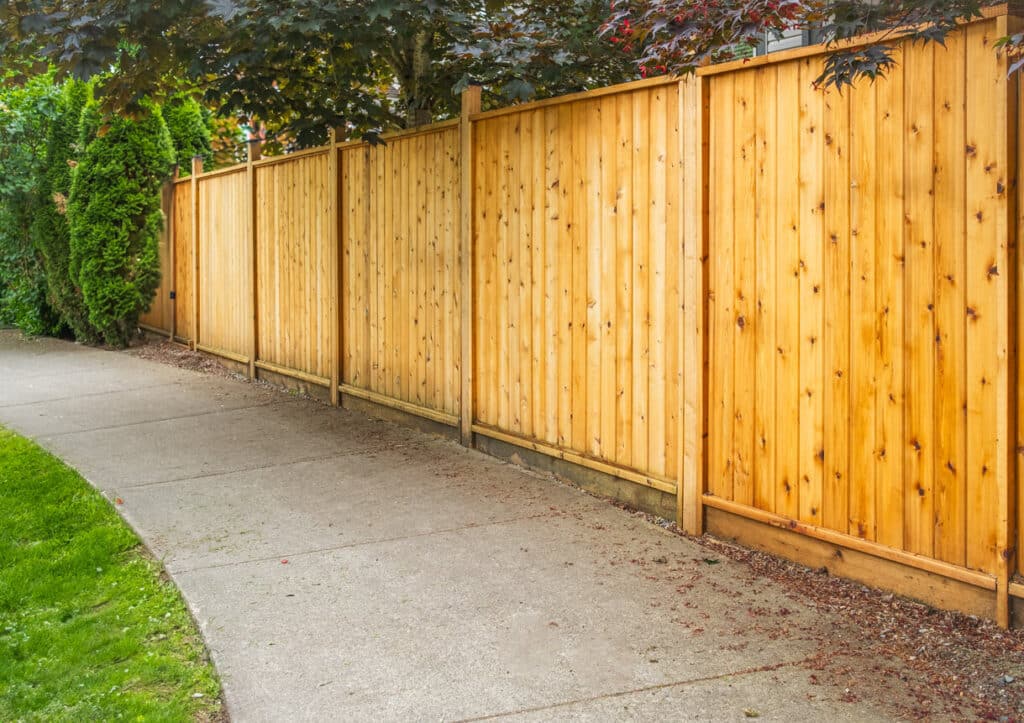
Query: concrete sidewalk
{"x": 423, "y": 580}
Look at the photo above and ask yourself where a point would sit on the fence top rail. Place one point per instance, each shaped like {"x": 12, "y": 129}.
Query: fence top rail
{"x": 306, "y": 152}
{"x": 404, "y": 133}
{"x": 574, "y": 97}
{"x": 809, "y": 51}
{"x": 220, "y": 172}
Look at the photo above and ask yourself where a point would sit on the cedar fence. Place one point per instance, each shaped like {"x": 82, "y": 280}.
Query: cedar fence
{"x": 782, "y": 315}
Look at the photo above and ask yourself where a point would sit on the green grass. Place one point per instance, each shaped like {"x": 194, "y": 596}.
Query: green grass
{"x": 89, "y": 627}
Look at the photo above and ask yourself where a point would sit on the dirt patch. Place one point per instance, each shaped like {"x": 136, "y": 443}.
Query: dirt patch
{"x": 178, "y": 355}
{"x": 924, "y": 663}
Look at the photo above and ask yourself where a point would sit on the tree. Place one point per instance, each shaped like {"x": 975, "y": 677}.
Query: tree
{"x": 190, "y": 132}
{"x": 678, "y": 36}
{"x": 51, "y": 234}
{"x": 302, "y": 66}
{"x": 26, "y": 114}
{"x": 116, "y": 217}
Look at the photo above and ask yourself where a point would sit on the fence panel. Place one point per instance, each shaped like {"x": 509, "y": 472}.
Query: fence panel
{"x": 225, "y": 264}
{"x": 158, "y": 317}
{"x": 577, "y": 258}
{"x": 294, "y": 264}
{"x": 400, "y": 260}
{"x": 857, "y": 298}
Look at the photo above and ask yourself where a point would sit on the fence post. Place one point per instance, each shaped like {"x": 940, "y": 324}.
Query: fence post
{"x": 470, "y": 105}
{"x": 197, "y": 168}
{"x": 1007, "y": 478}
{"x": 253, "y": 155}
{"x": 693, "y": 137}
{"x": 337, "y": 339}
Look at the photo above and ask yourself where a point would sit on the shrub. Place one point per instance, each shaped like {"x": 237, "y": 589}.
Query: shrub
{"x": 50, "y": 231}
{"x": 116, "y": 218}
{"x": 25, "y": 117}
{"x": 190, "y": 132}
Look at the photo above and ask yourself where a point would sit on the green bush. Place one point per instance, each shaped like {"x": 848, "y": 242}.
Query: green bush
{"x": 25, "y": 117}
{"x": 190, "y": 132}
{"x": 116, "y": 219}
{"x": 50, "y": 231}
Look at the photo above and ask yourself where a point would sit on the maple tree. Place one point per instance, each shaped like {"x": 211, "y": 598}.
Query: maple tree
{"x": 678, "y": 36}
{"x": 302, "y": 66}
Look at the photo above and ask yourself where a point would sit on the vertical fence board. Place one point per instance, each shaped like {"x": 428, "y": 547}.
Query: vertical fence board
{"x": 836, "y": 304}
{"x": 950, "y": 463}
{"x": 863, "y": 241}
{"x": 812, "y": 454}
{"x": 920, "y": 299}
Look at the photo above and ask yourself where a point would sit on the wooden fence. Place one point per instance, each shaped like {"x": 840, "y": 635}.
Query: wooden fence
{"x": 791, "y": 313}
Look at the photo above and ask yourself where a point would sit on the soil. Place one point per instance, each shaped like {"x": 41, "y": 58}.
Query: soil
{"x": 178, "y": 355}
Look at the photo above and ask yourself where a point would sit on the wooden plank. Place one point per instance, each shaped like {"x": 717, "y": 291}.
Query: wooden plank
{"x": 889, "y": 310}
{"x": 609, "y": 278}
{"x": 514, "y": 256}
{"x": 767, "y": 304}
{"x": 577, "y": 99}
{"x": 294, "y": 374}
{"x": 402, "y": 406}
{"x": 919, "y": 167}
{"x": 745, "y": 285}
{"x": 433, "y": 394}
{"x": 485, "y": 297}
{"x": 881, "y": 552}
{"x": 812, "y": 201}
{"x": 986, "y": 291}
{"x": 1006, "y": 231}
{"x": 552, "y": 275}
{"x": 950, "y": 462}
{"x": 863, "y": 242}
{"x": 252, "y": 209}
{"x": 566, "y": 274}
{"x": 578, "y": 459}
{"x": 538, "y": 281}
{"x": 335, "y": 292}
{"x": 673, "y": 283}
{"x": 658, "y": 327}
{"x": 692, "y": 477}
{"x": 197, "y": 169}
{"x": 836, "y": 306}
{"x": 592, "y": 246}
{"x": 640, "y": 281}
{"x": 503, "y": 272}
{"x": 788, "y": 393}
{"x": 624, "y": 365}
{"x": 523, "y": 294}
{"x": 722, "y": 296}
{"x": 580, "y": 404}
{"x": 421, "y": 241}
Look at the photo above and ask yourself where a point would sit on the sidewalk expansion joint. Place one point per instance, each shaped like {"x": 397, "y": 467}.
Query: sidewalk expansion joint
{"x": 88, "y": 395}
{"x": 158, "y": 421}
{"x": 645, "y": 689}
{"x": 351, "y": 545}
{"x": 261, "y": 467}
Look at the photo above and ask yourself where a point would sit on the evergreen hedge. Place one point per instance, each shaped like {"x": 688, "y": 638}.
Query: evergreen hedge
{"x": 190, "y": 133}
{"x": 51, "y": 233}
{"x": 26, "y": 113}
{"x": 116, "y": 218}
